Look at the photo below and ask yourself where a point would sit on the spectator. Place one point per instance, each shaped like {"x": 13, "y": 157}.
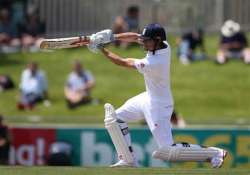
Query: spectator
{"x": 8, "y": 33}
{"x": 79, "y": 84}
{"x": 129, "y": 23}
{"x": 6, "y": 83}
{"x": 188, "y": 44}
{"x": 233, "y": 43}
{"x": 32, "y": 29}
{"x": 4, "y": 142}
{"x": 33, "y": 87}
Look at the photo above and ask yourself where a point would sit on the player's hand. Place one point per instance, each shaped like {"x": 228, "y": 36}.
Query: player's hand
{"x": 95, "y": 48}
{"x": 106, "y": 36}
{"x": 95, "y": 40}
{"x": 102, "y": 37}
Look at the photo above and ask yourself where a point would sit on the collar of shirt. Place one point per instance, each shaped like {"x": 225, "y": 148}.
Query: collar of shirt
{"x": 158, "y": 52}
{"x": 161, "y": 51}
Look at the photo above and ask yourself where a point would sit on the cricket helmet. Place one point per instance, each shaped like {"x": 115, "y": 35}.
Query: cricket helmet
{"x": 154, "y": 31}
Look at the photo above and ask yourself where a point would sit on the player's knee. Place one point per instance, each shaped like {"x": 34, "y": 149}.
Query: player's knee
{"x": 120, "y": 116}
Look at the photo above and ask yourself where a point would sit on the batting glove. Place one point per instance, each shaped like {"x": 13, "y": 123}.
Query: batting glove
{"x": 94, "y": 42}
{"x": 106, "y": 35}
{"x": 93, "y": 48}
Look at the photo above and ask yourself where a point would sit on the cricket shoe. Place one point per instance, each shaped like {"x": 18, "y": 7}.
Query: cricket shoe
{"x": 218, "y": 160}
{"x": 122, "y": 163}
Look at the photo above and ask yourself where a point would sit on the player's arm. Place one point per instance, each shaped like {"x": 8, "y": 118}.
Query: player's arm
{"x": 118, "y": 60}
{"x": 107, "y": 36}
{"x": 127, "y": 37}
{"x": 89, "y": 85}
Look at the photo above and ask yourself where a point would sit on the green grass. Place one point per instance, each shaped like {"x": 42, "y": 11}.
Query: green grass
{"x": 204, "y": 92}
{"x": 117, "y": 171}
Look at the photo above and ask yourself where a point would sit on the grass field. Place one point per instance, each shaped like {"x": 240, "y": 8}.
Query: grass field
{"x": 204, "y": 92}
{"x": 120, "y": 171}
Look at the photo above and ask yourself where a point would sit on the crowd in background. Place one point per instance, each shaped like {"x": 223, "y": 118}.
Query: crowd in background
{"x": 191, "y": 45}
{"x": 20, "y": 27}
{"x": 21, "y": 30}
{"x": 34, "y": 87}
{"x": 233, "y": 44}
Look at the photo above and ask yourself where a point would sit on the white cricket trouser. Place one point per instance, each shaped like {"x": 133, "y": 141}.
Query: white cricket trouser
{"x": 157, "y": 116}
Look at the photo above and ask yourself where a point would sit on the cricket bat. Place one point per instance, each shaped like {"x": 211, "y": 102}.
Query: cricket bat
{"x": 61, "y": 43}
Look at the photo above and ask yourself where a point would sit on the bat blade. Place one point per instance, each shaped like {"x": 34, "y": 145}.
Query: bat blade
{"x": 62, "y": 43}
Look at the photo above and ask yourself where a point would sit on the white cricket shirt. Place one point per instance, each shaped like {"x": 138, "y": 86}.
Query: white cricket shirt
{"x": 156, "y": 71}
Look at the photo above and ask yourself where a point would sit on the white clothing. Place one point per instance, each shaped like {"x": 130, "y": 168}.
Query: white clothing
{"x": 36, "y": 84}
{"x": 156, "y": 104}
{"x": 157, "y": 116}
{"x": 156, "y": 71}
{"x": 76, "y": 82}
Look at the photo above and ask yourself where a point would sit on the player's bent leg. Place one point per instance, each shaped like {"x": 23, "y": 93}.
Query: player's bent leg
{"x": 190, "y": 152}
{"x": 162, "y": 132}
{"x": 118, "y": 131}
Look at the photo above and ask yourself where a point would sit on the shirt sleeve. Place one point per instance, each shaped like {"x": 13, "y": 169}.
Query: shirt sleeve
{"x": 142, "y": 65}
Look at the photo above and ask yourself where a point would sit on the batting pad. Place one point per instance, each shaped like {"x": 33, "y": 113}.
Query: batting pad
{"x": 116, "y": 135}
{"x": 180, "y": 153}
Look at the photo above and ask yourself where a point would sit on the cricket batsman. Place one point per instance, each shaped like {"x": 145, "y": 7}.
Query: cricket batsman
{"x": 155, "y": 105}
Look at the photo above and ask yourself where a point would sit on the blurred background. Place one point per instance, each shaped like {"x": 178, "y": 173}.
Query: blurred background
{"x": 64, "y": 17}
{"x": 53, "y": 100}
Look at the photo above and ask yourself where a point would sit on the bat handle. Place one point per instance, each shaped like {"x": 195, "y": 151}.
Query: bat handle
{"x": 84, "y": 39}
